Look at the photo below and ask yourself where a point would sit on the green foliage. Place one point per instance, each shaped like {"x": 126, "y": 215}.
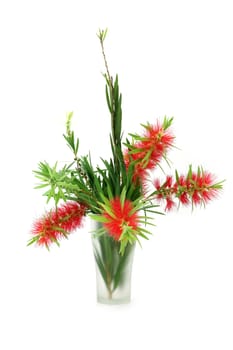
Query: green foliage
{"x": 96, "y": 187}
{"x": 52, "y": 178}
{"x": 72, "y": 143}
{"x": 167, "y": 122}
{"x": 102, "y": 34}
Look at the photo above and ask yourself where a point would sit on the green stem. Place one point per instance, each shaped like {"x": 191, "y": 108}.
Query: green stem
{"x": 110, "y": 85}
{"x": 109, "y": 282}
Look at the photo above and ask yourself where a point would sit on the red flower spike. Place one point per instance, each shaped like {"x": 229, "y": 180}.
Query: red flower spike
{"x": 58, "y": 223}
{"x": 122, "y": 216}
{"x": 196, "y": 188}
{"x": 149, "y": 150}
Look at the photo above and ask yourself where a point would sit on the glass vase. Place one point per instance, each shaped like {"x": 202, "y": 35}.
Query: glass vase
{"x": 113, "y": 270}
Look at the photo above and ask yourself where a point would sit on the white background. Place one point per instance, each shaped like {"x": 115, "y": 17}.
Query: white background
{"x": 173, "y": 58}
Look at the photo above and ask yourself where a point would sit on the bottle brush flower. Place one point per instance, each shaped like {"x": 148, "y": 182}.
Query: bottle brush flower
{"x": 116, "y": 193}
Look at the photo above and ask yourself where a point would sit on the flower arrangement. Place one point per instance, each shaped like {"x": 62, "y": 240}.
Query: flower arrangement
{"x": 116, "y": 194}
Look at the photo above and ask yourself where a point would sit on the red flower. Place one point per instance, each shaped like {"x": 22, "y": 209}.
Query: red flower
{"x": 184, "y": 198}
{"x": 56, "y": 224}
{"x": 168, "y": 182}
{"x": 169, "y": 204}
{"x": 119, "y": 216}
{"x": 156, "y": 140}
{"x": 140, "y": 172}
{"x": 149, "y": 149}
{"x": 195, "y": 188}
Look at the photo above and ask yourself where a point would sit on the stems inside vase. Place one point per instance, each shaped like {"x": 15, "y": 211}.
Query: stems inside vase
{"x": 113, "y": 270}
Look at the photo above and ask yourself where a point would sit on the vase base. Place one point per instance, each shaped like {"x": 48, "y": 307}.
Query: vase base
{"x": 113, "y": 301}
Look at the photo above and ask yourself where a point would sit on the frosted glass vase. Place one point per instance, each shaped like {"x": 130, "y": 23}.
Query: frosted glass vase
{"x": 113, "y": 271}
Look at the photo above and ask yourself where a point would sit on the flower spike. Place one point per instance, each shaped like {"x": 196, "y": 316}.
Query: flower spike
{"x": 148, "y": 150}
{"x": 195, "y": 188}
{"x": 57, "y": 224}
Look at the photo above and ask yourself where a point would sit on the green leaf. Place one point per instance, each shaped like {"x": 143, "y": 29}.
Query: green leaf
{"x": 108, "y": 210}
{"x": 33, "y": 240}
{"x": 122, "y": 197}
{"x": 98, "y": 218}
{"x": 177, "y": 176}
{"x": 167, "y": 122}
{"x": 104, "y": 34}
{"x": 108, "y": 99}
{"x": 142, "y": 235}
{"x": 68, "y": 122}
{"x": 190, "y": 172}
{"x": 41, "y": 186}
{"x": 109, "y": 190}
{"x": 144, "y": 230}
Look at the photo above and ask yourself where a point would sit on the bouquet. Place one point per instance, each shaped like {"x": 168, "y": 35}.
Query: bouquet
{"x": 120, "y": 195}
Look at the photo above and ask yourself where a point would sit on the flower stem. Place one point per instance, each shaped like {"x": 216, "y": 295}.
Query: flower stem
{"x": 110, "y": 85}
{"x": 109, "y": 282}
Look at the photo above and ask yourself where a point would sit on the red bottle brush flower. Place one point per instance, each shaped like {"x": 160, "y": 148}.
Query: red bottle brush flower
{"x": 118, "y": 217}
{"x": 195, "y": 188}
{"x": 147, "y": 150}
{"x": 57, "y": 224}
